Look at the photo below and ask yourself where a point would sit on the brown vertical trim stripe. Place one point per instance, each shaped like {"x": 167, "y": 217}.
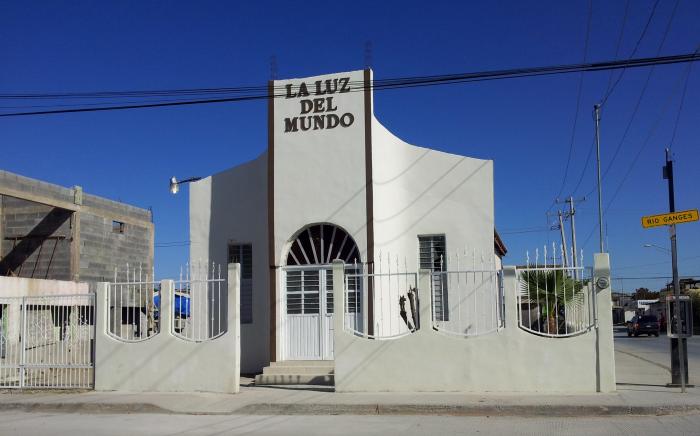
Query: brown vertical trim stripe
{"x": 272, "y": 258}
{"x": 369, "y": 195}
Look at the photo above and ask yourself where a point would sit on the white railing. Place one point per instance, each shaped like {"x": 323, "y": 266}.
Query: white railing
{"x": 133, "y": 305}
{"x": 391, "y": 291}
{"x": 467, "y": 294}
{"x": 47, "y": 341}
{"x": 555, "y": 300}
{"x": 199, "y": 303}
{"x": 472, "y": 301}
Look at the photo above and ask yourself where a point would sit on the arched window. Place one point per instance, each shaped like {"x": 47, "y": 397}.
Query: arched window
{"x": 321, "y": 244}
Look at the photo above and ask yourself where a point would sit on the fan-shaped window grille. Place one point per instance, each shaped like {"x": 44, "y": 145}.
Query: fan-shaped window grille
{"x": 321, "y": 244}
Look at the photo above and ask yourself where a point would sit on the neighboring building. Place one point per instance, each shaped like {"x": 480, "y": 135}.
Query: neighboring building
{"x": 624, "y": 307}
{"x": 51, "y": 232}
{"x": 686, "y": 285}
{"x": 334, "y": 183}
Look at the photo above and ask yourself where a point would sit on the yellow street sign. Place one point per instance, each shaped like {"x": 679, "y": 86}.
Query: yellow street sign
{"x": 667, "y": 219}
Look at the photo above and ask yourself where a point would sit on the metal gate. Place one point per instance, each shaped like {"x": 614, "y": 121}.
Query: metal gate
{"x": 47, "y": 341}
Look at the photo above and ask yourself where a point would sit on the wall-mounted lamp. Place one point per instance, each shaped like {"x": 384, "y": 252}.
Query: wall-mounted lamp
{"x": 175, "y": 184}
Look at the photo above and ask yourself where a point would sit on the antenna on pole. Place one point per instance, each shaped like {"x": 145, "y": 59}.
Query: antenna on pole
{"x": 368, "y": 54}
{"x": 273, "y": 67}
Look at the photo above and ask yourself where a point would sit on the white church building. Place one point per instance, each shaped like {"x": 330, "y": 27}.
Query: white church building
{"x": 334, "y": 183}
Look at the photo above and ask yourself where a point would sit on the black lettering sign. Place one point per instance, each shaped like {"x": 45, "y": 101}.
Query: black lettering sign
{"x": 322, "y": 107}
{"x": 290, "y": 125}
{"x": 306, "y": 106}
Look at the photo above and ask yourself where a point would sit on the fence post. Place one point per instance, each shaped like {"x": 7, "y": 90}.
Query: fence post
{"x": 101, "y": 329}
{"x": 166, "y": 311}
{"x": 604, "y": 328}
{"x": 23, "y": 344}
{"x": 425, "y": 303}
{"x": 510, "y": 299}
{"x": 233, "y": 317}
{"x": 339, "y": 296}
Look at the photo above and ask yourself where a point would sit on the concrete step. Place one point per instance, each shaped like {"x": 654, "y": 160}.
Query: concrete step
{"x": 290, "y": 363}
{"x": 298, "y": 370}
{"x": 294, "y": 379}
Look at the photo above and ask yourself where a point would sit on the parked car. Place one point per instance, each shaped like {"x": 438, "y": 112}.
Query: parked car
{"x": 642, "y": 324}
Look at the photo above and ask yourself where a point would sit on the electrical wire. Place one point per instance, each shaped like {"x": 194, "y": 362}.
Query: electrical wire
{"x": 650, "y": 134}
{"x": 634, "y": 51}
{"x": 578, "y": 102}
{"x": 407, "y": 82}
{"x": 610, "y": 77}
{"x": 639, "y": 99}
{"x": 680, "y": 106}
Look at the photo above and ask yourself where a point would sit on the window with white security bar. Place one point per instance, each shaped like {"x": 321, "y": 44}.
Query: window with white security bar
{"x": 243, "y": 254}
{"x": 432, "y": 256}
{"x": 352, "y": 294}
{"x": 303, "y": 292}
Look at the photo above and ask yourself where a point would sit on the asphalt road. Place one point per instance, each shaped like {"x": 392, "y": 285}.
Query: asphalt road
{"x": 652, "y": 351}
{"x": 121, "y": 425}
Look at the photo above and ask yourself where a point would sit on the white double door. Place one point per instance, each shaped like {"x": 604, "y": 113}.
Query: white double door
{"x": 308, "y": 313}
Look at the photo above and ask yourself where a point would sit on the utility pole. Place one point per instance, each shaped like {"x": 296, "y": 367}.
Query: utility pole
{"x": 558, "y": 226}
{"x": 565, "y": 257}
{"x": 679, "y": 356}
{"x": 572, "y": 213}
{"x": 596, "y": 108}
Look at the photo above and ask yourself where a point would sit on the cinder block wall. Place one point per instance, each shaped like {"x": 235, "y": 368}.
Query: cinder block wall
{"x": 100, "y": 247}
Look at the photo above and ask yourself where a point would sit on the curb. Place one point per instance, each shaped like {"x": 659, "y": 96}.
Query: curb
{"x": 364, "y": 409}
{"x": 465, "y": 410}
{"x": 91, "y": 408}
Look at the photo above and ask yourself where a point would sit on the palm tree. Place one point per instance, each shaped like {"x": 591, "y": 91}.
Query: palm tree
{"x": 555, "y": 293}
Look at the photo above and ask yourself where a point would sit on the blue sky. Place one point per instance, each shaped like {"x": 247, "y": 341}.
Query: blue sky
{"x": 524, "y": 125}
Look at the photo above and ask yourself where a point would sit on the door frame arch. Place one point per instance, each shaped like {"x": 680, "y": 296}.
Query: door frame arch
{"x": 307, "y": 329}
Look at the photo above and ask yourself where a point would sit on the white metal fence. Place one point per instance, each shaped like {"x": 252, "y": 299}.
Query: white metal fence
{"x": 475, "y": 302}
{"x": 133, "y": 305}
{"x": 47, "y": 341}
{"x": 555, "y": 300}
{"x": 390, "y": 291}
{"x": 199, "y": 303}
{"x": 467, "y": 300}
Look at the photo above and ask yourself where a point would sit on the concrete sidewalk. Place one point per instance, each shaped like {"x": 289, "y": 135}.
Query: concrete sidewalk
{"x": 629, "y": 400}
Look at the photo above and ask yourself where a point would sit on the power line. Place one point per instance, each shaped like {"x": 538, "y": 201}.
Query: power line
{"x": 585, "y": 167}
{"x": 578, "y": 101}
{"x": 533, "y": 230}
{"x": 680, "y": 106}
{"x": 634, "y": 51}
{"x": 641, "y": 97}
{"x": 410, "y": 82}
{"x": 619, "y": 43}
{"x": 610, "y": 77}
{"x": 656, "y": 123}
{"x": 685, "y": 259}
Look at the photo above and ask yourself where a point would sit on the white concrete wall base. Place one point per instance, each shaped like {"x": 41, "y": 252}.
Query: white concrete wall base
{"x": 166, "y": 363}
{"x": 510, "y": 360}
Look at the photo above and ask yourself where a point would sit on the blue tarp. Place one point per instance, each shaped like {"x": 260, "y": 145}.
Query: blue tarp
{"x": 182, "y": 305}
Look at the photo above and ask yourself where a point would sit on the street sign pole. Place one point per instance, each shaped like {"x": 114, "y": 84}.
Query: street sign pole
{"x": 679, "y": 358}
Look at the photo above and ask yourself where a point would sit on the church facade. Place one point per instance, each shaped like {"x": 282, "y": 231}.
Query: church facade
{"x": 334, "y": 183}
